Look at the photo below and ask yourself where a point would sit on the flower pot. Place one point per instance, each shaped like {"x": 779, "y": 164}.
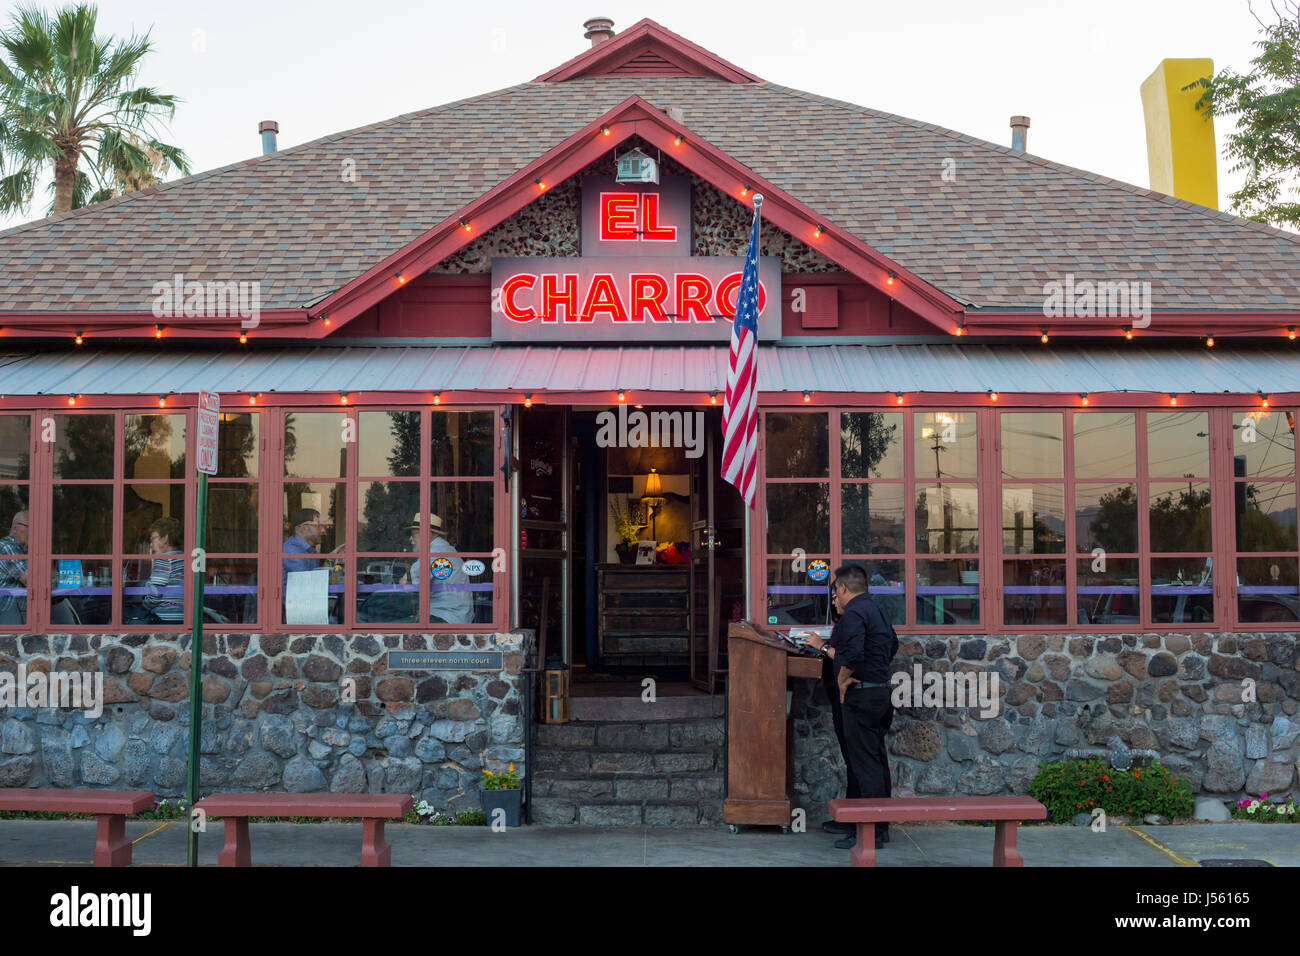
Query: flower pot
{"x": 626, "y": 555}
{"x": 508, "y": 800}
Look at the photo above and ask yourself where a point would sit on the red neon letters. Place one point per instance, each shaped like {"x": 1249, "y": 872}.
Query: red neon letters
{"x": 629, "y": 217}
{"x": 639, "y": 297}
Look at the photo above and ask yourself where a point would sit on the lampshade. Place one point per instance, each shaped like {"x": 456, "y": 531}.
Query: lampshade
{"x": 654, "y": 486}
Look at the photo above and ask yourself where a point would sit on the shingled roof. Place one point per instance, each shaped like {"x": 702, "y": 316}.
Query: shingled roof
{"x": 993, "y": 237}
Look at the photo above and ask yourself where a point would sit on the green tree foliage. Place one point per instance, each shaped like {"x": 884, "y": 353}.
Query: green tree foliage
{"x": 1266, "y": 104}
{"x": 68, "y": 95}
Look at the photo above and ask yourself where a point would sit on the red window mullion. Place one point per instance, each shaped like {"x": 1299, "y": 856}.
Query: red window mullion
{"x": 1144, "y": 522}
{"x": 1071, "y": 532}
{"x": 909, "y": 519}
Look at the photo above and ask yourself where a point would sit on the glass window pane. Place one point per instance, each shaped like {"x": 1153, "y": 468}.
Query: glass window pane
{"x": 386, "y": 515}
{"x": 312, "y": 598}
{"x": 797, "y": 444}
{"x": 871, "y": 444}
{"x": 885, "y": 585}
{"x": 1263, "y": 444}
{"x": 13, "y": 592}
{"x": 313, "y": 518}
{"x": 232, "y": 519}
{"x": 155, "y": 446}
{"x": 1180, "y": 516}
{"x": 389, "y": 443}
{"x": 1108, "y": 591}
{"x": 81, "y": 592}
{"x": 793, "y": 598}
{"x": 314, "y": 445}
{"x": 1105, "y": 516}
{"x": 1178, "y": 444}
{"x": 947, "y": 519}
{"x": 872, "y": 519}
{"x": 1265, "y": 515}
{"x": 237, "y": 445}
{"x": 153, "y": 592}
{"x": 1033, "y": 592}
{"x": 230, "y": 591}
{"x": 83, "y": 519}
{"x": 1182, "y": 590}
{"x": 947, "y": 592}
{"x": 1032, "y": 446}
{"x": 945, "y": 445}
{"x": 387, "y": 592}
{"x": 1105, "y": 445}
{"x": 13, "y": 505}
{"x": 462, "y": 443}
{"x": 798, "y": 516}
{"x": 143, "y": 505}
{"x": 1267, "y": 591}
{"x": 15, "y": 446}
{"x": 1033, "y": 519}
{"x": 462, "y": 516}
{"x": 83, "y": 446}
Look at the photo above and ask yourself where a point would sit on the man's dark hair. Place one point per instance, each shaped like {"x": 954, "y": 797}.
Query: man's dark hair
{"x": 303, "y": 515}
{"x": 852, "y": 576}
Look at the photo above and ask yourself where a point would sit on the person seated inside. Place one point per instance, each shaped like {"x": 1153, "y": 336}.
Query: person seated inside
{"x": 306, "y": 536}
{"x": 164, "y": 598}
{"x": 13, "y": 574}
{"x": 449, "y": 601}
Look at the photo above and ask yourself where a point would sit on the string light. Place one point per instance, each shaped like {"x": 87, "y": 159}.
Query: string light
{"x": 72, "y": 399}
{"x": 1173, "y": 399}
{"x": 960, "y": 330}
{"x": 889, "y": 279}
{"x": 898, "y": 398}
{"x": 437, "y": 398}
{"x": 807, "y": 396}
{"x": 1042, "y": 337}
{"x": 343, "y": 398}
{"x": 1083, "y": 398}
{"x": 79, "y": 340}
{"x": 1209, "y": 341}
{"x": 622, "y": 397}
{"x": 243, "y": 337}
{"x": 528, "y": 400}
{"x": 744, "y": 190}
{"x": 713, "y": 397}
{"x": 993, "y": 396}
{"x": 541, "y": 186}
{"x": 1263, "y": 400}
{"x": 817, "y": 231}
{"x": 162, "y": 401}
{"x": 326, "y": 321}
{"x": 1290, "y": 332}
{"x": 157, "y": 331}
{"x": 1128, "y": 333}
{"x": 604, "y": 130}
{"x": 401, "y": 279}
{"x": 679, "y": 139}
{"x": 465, "y": 224}
{"x": 252, "y": 399}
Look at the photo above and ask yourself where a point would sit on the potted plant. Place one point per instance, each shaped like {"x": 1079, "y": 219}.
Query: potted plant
{"x": 501, "y": 790}
{"x": 628, "y": 525}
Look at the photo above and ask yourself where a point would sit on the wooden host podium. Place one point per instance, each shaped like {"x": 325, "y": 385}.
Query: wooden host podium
{"x": 760, "y": 741}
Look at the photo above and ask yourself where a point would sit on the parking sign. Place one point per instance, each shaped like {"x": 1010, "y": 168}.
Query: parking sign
{"x": 209, "y": 421}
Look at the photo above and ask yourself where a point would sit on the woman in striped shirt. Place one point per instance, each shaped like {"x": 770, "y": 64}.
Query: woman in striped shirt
{"x": 166, "y": 607}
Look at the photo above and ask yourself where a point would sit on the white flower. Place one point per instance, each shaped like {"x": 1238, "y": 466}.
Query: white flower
{"x": 1251, "y": 808}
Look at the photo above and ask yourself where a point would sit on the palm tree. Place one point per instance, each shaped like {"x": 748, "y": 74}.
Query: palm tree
{"x": 66, "y": 94}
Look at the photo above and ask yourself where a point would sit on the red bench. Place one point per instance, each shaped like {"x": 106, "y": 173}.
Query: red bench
{"x": 372, "y": 808}
{"x": 1006, "y": 811}
{"x": 112, "y": 848}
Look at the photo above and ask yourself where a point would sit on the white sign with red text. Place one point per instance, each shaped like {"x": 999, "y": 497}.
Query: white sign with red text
{"x": 209, "y": 423}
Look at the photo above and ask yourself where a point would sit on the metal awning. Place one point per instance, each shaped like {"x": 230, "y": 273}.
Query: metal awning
{"x": 828, "y": 368}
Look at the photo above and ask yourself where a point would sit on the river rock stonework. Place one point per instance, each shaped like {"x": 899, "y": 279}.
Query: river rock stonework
{"x": 276, "y": 715}
{"x": 1184, "y": 696}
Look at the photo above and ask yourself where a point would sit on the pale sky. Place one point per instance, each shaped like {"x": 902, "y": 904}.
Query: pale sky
{"x": 325, "y": 66}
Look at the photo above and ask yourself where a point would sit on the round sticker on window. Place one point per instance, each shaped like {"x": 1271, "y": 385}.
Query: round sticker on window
{"x": 442, "y": 568}
{"x": 474, "y": 568}
{"x": 818, "y": 571}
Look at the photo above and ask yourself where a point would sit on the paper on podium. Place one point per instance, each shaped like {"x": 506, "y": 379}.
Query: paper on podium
{"x": 307, "y": 597}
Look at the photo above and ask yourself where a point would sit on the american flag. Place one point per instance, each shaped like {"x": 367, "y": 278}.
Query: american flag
{"x": 740, "y": 410}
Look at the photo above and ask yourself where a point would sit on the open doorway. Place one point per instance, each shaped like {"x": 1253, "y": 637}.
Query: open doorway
{"x": 636, "y": 549}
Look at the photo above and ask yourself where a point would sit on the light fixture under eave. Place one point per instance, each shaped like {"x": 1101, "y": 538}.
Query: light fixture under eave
{"x": 343, "y": 398}
{"x": 1290, "y": 332}
{"x": 1263, "y": 400}
{"x": 465, "y": 224}
{"x": 1083, "y": 398}
{"x": 744, "y": 190}
{"x": 252, "y": 399}
{"x": 713, "y": 397}
{"x": 162, "y": 401}
{"x": 157, "y": 331}
{"x": 678, "y": 140}
{"x": 622, "y": 396}
{"x": 326, "y": 321}
{"x": 993, "y": 396}
{"x": 1209, "y": 341}
{"x": 243, "y": 337}
{"x": 960, "y": 330}
{"x": 72, "y": 399}
{"x": 898, "y": 398}
{"x": 541, "y": 186}
{"x": 807, "y": 396}
{"x": 604, "y": 131}
{"x": 817, "y": 231}
{"x": 1043, "y": 336}
{"x": 401, "y": 279}
{"x": 1173, "y": 399}
{"x": 1128, "y": 333}
{"x": 891, "y": 279}
{"x": 79, "y": 339}
{"x": 528, "y": 400}
{"x": 437, "y": 398}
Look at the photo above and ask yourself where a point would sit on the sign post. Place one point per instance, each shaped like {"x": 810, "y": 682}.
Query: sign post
{"x": 209, "y": 421}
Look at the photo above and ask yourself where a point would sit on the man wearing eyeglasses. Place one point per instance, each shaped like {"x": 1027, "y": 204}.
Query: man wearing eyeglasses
{"x": 865, "y": 644}
{"x": 13, "y": 574}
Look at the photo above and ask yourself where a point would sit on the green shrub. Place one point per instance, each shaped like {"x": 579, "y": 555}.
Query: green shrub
{"x": 1069, "y": 787}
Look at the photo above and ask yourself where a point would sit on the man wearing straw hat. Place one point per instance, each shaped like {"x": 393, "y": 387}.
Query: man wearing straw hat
{"x": 449, "y": 600}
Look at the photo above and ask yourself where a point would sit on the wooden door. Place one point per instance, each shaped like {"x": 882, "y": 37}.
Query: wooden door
{"x": 704, "y": 614}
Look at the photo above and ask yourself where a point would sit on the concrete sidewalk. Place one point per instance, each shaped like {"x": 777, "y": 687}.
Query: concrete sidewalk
{"x": 42, "y": 842}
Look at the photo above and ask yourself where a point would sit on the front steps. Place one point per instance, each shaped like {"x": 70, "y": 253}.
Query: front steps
{"x": 629, "y": 773}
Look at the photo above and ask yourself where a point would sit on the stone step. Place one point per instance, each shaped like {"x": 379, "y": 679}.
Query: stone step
{"x": 632, "y": 707}
{"x": 589, "y": 762}
{"x": 634, "y": 789}
{"x": 561, "y": 811}
{"x": 707, "y": 734}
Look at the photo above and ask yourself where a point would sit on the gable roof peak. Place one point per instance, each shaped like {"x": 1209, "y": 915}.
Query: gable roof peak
{"x": 644, "y": 49}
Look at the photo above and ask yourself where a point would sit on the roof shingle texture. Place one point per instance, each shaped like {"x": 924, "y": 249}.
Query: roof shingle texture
{"x": 1008, "y": 224}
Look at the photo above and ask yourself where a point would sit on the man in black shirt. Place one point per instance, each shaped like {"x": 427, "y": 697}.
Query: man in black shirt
{"x": 865, "y": 644}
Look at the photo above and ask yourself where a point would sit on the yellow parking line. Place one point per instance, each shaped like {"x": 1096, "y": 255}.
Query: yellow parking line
{"x": 1157, "y": 845}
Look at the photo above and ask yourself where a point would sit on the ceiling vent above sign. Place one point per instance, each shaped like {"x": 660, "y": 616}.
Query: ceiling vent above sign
{"x": 635, "y": 166}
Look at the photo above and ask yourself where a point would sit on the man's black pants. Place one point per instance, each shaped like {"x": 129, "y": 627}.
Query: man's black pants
{"x": 868, "y": 714}
{"x": 851, "y": 790}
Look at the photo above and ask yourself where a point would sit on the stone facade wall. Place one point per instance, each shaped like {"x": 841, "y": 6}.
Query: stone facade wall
{"x": 273, "y": 715}
{"x": 1180, "y": 695}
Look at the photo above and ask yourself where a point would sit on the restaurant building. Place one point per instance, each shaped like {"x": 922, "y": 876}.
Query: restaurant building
{"x": 1051, "y": 413}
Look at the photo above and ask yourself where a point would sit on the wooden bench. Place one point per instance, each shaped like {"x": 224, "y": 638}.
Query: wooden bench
{"x": 372, "y": 808}
{"x": 112, "y": 848}
{"x": 1006, "y": 811}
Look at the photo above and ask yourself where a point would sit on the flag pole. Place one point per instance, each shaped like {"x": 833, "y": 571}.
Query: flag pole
{"x": 749, "y": 554}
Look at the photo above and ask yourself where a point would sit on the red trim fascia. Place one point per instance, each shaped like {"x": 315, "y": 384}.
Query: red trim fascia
{"x": 1161, "y": 324}
{"x": 278, "y": 323}
{"x": 635, "y": 116}
{"x": 606, "y": 55}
